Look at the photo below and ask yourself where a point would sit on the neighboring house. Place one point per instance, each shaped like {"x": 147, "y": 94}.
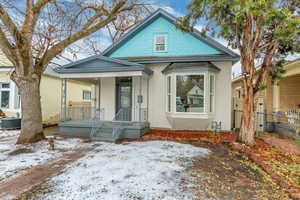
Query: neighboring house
{"x": 79, "y": 93}
{"x": 153, "y": 73}
{"x": 281, "y": 97}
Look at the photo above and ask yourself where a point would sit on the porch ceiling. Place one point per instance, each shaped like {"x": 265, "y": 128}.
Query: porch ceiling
{"x": 100, "y": 66}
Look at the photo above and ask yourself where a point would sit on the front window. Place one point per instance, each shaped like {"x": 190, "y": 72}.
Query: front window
{"x": 87, "y": 95}
{"x": 190, "y": 93}
{"x": 160, "y": 43}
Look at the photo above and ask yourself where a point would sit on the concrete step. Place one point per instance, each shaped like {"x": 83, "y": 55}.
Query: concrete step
{"x": 107, "y": 134}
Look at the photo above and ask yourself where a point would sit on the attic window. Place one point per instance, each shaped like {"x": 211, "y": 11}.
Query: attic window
{"x": 160, "y": 42}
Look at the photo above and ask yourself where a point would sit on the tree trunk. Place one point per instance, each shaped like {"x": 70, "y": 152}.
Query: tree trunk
{"x": 31, "y": 126}
{"x": 247, "y": 131}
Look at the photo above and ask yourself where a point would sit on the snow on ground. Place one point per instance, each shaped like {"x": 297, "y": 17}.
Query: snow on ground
{"x": 37, "y": 154}
{"x": 130, "y": 171}
{"x": 9, "y": 133}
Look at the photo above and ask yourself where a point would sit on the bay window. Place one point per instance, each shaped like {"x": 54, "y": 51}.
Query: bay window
{"x": 194, "y": 93}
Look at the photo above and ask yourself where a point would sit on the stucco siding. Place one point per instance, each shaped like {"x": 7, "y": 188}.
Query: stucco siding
{"x": 223, "y": 95}
{"x": 157, "y": 97}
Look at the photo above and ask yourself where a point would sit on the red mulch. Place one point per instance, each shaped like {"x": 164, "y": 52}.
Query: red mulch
{"x": 287, "y": 145}
{"x": 178, "y": 135}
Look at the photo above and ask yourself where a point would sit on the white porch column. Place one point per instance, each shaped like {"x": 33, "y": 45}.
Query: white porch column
{"x": 64, "y": 99}
{"x": 94, "y": 95}
{"x": 140, "y": 98}
{"x": 276, "y": 97}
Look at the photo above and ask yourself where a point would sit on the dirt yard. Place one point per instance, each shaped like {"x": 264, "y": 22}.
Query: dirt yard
{"x": 229, "y": 175}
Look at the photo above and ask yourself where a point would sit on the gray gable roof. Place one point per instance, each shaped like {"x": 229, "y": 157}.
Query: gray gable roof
{"x": 101, "y": 64}
{"x": 162, "y": 13}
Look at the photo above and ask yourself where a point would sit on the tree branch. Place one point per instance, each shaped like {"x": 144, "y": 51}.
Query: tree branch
{"x": 7, "y": 48}
{"x": 265, "y": 66}
{"x": 32, "y": 14}
{"x": 59, "y": 47}
{"x": 11, "y": 27}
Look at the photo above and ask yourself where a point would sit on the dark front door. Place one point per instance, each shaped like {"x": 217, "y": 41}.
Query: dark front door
{"x": 124, "y": 98}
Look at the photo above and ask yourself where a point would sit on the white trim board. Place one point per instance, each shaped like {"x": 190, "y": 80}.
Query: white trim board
{"x": 100, "y": 75}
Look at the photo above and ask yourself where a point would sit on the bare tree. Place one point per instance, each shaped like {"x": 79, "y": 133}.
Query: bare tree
{"x": 115, "y": 30}
{"x": 34, "y": 32}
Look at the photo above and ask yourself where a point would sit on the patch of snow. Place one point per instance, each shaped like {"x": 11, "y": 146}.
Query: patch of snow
{"x": 131, "y": 171}
{"x": 40, "y": 153}
{"x": 6, "y": 133}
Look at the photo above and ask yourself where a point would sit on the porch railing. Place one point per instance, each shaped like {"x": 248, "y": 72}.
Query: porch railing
{"x": 288, "y": 116}
{"x": 82, "y": 113}
{"x": 124, "y": 114}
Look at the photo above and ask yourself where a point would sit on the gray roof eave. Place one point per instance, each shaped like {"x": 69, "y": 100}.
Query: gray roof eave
{"x": 189, "y": 67}
{"x": 187, "y": 59}
{"x": 63, "y": 70}
{"x": 100, "y": 57}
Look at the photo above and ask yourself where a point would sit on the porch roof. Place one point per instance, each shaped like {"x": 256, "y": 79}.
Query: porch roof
{"x": 100, "y": 64}
{"x": 191, "y": 66}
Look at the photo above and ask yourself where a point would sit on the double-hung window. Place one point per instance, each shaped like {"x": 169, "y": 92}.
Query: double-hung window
{"x": 160, "y": 43}
{"x": 5, "y": 95}
{"x": 87, "y": 95}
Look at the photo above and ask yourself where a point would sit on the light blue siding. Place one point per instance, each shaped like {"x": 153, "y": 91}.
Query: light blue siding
{"x": 179, "y": 43}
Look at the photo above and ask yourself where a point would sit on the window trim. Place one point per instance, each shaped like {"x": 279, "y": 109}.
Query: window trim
{"x": 83, "y": 91}
{"x": 166, "y": 42}
{"x": 214, "y": 93}
{"x": 169, "y": 94}
{"x": 205, "y": 93}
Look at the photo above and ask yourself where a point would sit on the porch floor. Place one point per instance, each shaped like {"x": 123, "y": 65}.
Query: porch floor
{"x": 103, "y": 130}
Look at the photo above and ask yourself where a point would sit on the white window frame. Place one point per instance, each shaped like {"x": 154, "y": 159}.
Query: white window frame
{"x": 10, "y": 94}
{"x": 166, "y": 42}
{"x": 169, "y": 94}
{"x": 213, "y": 94}
{"x": 205, "y": 93}
{"x": 83, "y": 91}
